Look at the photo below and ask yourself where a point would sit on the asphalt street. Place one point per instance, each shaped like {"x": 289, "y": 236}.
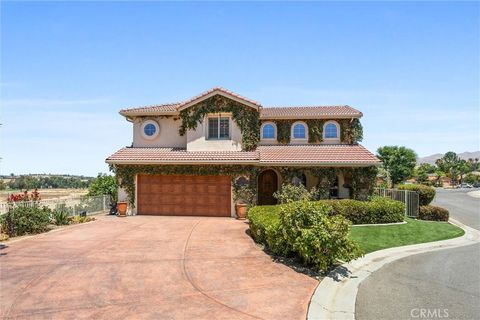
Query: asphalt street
{"x": 443, "y": 284}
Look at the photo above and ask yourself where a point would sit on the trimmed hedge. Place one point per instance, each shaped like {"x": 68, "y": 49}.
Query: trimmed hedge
{"x": 304, "y": 229}
{"x": 425, "y": 193}
{"x": 433, "y": 213}
{"x": 377, "y": 210}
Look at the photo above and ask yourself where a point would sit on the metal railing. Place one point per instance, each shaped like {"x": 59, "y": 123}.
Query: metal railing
{"x": 73, "y": 206}
{"x": 409, "y": 198}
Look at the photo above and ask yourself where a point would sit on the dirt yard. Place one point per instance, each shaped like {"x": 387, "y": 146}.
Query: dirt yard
{"x": 48, "y": 193}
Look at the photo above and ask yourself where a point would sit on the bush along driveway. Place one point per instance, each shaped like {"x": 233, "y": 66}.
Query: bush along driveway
{"x": 149, "y": 267}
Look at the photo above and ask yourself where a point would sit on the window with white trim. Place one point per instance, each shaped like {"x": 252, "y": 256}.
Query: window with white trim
{"x": 299, "y": 131}
{"x": 331, "y": 131}
{"x": 268, "y": 131}
{"x": 218, "y": 128}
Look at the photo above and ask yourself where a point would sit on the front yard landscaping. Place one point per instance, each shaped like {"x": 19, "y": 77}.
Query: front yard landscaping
{"x": 320, "y": 233}
{"x": 373, "y": 238}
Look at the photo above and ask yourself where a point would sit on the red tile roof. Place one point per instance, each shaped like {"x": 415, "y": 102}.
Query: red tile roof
{"x": 177, "y": 155}
{"x": 300, "y": 112}
{"x": 325, "y": 154}
{"x": 218, "y": 89}
{"x": 160, "y": 109}
{"x": 309, "y": 112}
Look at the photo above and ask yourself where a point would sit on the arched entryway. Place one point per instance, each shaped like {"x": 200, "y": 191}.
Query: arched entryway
{"x": 267, "y": 185}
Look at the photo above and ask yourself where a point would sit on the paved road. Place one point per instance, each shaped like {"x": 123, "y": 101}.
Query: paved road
{"x": 443, "y": 284}
{"x": 462, "y": 207}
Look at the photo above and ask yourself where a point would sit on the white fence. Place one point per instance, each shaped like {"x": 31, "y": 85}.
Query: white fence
{"x": 408, "y": 198}
{"x": 73, "y": 206}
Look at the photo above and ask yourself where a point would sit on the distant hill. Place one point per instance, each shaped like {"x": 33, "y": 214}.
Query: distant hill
{"x": 432, "y": 158}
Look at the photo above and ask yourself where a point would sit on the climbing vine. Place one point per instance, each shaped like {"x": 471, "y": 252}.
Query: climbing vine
{"x": 363, "y": 182}
{"x": 315, "y": 130}
{"x": 351, "y": 131}
{"x": 246, "y": 118}
{"x": 126, "y": 173}
{"x": 283, "y": 130}
{"x": 360, "y": 181}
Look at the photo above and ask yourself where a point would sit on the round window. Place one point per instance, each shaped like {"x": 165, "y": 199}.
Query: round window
{"x": 150, "y": 129}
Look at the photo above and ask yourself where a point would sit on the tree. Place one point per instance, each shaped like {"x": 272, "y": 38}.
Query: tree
{"x": 450, "y": 165}
{"x": 104, "y": 184}
{"x": 398, "y": 161}
{"x": 422, "y": 172}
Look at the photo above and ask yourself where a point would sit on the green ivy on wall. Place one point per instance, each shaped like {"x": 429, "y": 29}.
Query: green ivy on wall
{"x": 126, "y": 173}
{"x": 283, "y": 130}
{"x": 315, "y": 130}
{"x": 360, "y": 181}
{"x": 351, "y": 131}
{"x": 248, "y": 119}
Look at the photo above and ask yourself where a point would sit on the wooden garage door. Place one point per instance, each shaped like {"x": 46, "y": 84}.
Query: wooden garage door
{"x": 183, "y": 195}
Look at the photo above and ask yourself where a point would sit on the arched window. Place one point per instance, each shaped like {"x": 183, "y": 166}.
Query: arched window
{"x": 299, "y": 131}
{"x": 330, "y": 130}
{"x": 268, "y": 131}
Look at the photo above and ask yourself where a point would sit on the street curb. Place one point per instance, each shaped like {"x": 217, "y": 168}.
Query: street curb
{"x": 335, "y": 296}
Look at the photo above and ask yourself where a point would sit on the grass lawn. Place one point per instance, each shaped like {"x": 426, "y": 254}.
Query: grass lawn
{"x": 373, "y": 238}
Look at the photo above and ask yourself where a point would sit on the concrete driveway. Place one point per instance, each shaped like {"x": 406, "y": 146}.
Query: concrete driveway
{"x": 149, "y": 268}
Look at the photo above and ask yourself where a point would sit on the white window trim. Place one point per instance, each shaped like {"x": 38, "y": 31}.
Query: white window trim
{"x": 338, "y": 131}
{"x": 292, "y": 137}
{"x": 157, "y": 129}
{"x": 274, "y": 131}
{"x": 218, "y": 116}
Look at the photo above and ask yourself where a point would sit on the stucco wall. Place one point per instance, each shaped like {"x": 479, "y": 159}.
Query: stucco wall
{"x": 168, "y": 136}
{"x": 197, "y": 139}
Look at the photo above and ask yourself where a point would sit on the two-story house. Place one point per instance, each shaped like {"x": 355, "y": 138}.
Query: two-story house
{"x": 188, "y": 158}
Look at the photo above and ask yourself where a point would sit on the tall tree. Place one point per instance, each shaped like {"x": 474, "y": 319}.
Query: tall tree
{"x": 449, "y": 164}
{"x": 422, "y": 172}
{"x": 104, "y": 184}
{"x": 399, "y": 161}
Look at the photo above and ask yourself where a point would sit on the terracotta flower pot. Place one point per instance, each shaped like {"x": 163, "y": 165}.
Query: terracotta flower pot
{"x": 122, "y": 209}
{"x": 241, "y": 210}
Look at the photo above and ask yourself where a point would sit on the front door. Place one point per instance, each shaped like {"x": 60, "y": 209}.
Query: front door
{"x": 267, "y": 185}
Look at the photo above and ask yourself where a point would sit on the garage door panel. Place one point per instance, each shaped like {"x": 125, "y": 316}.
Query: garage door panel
{"x": 184, "y": 195}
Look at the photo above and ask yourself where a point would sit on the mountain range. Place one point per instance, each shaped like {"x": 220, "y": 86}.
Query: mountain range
{"x": 432, "y": 158}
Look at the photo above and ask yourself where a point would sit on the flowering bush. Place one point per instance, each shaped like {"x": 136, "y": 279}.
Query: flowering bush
{"x": 24, "y": 196}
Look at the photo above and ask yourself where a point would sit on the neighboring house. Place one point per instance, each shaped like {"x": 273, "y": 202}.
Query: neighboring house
{"x": 191, "y": 157}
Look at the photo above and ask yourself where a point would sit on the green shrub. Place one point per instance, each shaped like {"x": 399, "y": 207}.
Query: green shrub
{"x": 60, "y": 217}
{"x": 425, "y": 193}
{"x": 23, "y": 220}
{"x": 433, "y": 213}
{"x": 290, "y": 193}
{"x": 376, "y": 210}
{"x": 306, "y": 229}
{"x": 317, "y": 237}
{"x": 264, "y": 227}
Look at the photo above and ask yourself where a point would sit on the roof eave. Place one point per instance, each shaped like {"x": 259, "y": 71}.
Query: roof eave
{"x": 222, "y": 93}
{"x": 293, "y": 117}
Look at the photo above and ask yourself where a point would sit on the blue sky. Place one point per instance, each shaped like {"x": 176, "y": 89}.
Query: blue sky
{"x": 67, "y": 68}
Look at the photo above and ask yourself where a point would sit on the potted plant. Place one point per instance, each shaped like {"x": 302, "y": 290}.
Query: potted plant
{"x": 122, "y": 208}
{"x": 244, "y": 198}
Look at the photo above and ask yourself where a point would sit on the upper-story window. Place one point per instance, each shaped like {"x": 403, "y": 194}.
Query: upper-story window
{"x": 299, "y": 131}
{"x": 218, "y": 128}
{"x": 150, "y": 129}
{"x": 268, "y": 131}
{"x": 331, "y": 130}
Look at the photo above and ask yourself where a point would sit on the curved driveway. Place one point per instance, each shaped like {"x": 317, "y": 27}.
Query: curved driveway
{"x": 149, "y": 268}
